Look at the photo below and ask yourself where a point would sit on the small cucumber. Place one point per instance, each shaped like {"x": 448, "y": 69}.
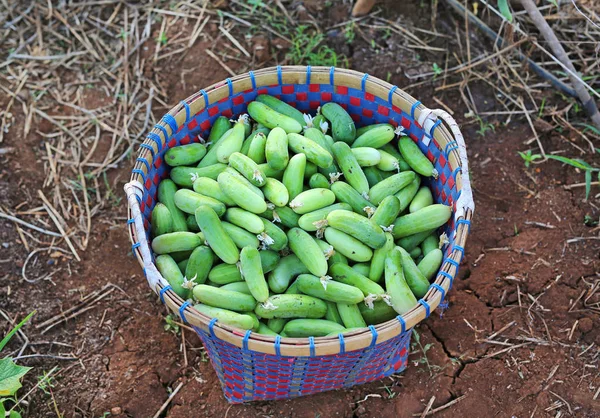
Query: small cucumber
{"x": 191, "y": 223}
{"x": 318, "y": 180}
{"x": 288, "y": 268}
{"x": 170, "y": 271}
{"x": 253, "y": 273}
{"x": 405, "y": 195}
{"x": 166, "y": 196}
{"x": 291, "y": 306}
{"x": 276, "y": 192}
{"x": 281, "y": 107}
{"x": 256, "y": 149}
{"x": 240, "y": 236}
{"x": 211, "y": 156}
{"x": 242, "y": 192}
{"x": 342, "y": 125}
{"x": 432, "y": 242}
{"x": 308, "y": 251}
{"x": 415, "y": 253}
{"x": 411, "y": 242}
{"x": 415, "y": 158}
{"x": 302, "y": 328}
{"x": 161, "y": 220}
{"x": 349, "y": 165}
{"x": 175, "y": 241}
{"x": 184, "y": 176}
{"x": 347, "y": 194}
{"x": 376, "y": 137}
{"x": 265, "y": 330}
{"x": 188, "y": 201}
{"x": 400, "y": 295}
{"x": 221, "y": 125}
{"x": 179, "y": 256}
{"x": 247, "y": 168}
{"x": 185, "y": 155}
{"x": 273, "y": 237}
{"x": 276, "y": 324}
{"x": 390, "y": 149}
{"x": 241, "y": 287}
{"x": 390, "y": 186}
{"x": 254, "y": 318}
{"x": 357, "y": 226}
{"x": 313, "y": 151}
{"x": 329, "y": 290}
{"x": 293, "y": 176}
{"x": 214, "y": 233}
{"x": 311, "y": 168}
{"x": 272, "y": 119}
{"x": 282, "y": 215}
{"x": 244, "y": 219}
{"x": 271, "y": 172}
{"x": 276, "y": 149}
{"x": 362, "y": 268}
{"x": 311, "y": 200}
{"x": 380, "y": 313}
{"x": 209, "y": 187}
{"x": 347, "y": 245}
{"x": 226, "y": 317}
{"x": 223, "y": 298}
{"x": 308, "y": 220}
{"x": 351, "y": 316}
{"x": 317, "y": 136}
{"x": 426, "y": 219}
{"x": 373, "y": 174}
{"x": 387, "y": 161}
{"x": 332, "y": 313}
{"x": 183, "y": 265}
{"x": 422, "y": 198}
{"x": 431, "y": 263}
{"x": 269, "y": 260}
{"x": 225, "y": 274}
{"x": 347, "y": 275}
{"x": 378, "y": 260}
{"x": 387, "y": 211}
{"x": 366, "y": 156}
{"x": 199, "y": 264}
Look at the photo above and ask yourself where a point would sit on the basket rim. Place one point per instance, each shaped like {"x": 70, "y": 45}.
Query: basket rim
{"x": 356, "y": 340}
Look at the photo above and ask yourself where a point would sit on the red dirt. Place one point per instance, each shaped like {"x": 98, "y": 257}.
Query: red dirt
{"x": 129, "y": 363}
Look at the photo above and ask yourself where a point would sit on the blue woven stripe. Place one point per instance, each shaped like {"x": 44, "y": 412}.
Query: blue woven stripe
{"x": 374, "y": 338}
{"x": 450, "y": 146}
{"x": 435, "y": 125}
{"x": 391, "y": 94}
{"x": 245, "y": 340}
{"x": 162, "y": 292}
{"x": 211, "y": 326}
{"x": 187, "y": 110}
{"x": 278, "y": 345}
{"x": 139, "y": 199}
{"x": 460, "y": 249}
{"x": 206, "y": 103}
{"x": 182, "y": 311}
{"x": 363, "y": 82}
{"x": 163, "y": 130}
{"x": 156, "y": 139}
{"x": 426, "y": 306}
{"x": 170, "y": 120}
{"x": 252, "y": 79}
{"x": 308, "y": 70}
{"x": 402, "y": 323}
{"x": 148, "y": 147}
{"x": 413, "y": 108}
{"x": 279, "y": 75}
{"x": 455, "y": 172}
{"x": 464, "y": 221}
{"x": 230, "y": 85}
{"x": 453, "y": 262}
{"x": 140, "y": 172}
{"x": 134, "y": 246}
{"x": 448, "y": 276}
{"x": 342, "y": 343}
{"x": 331, "y": 76}
{"x": 311, "y": 343}
{"x": 143, "y": 160}
{"x": 130, "y": 221}
{"x": 439, "y": 288}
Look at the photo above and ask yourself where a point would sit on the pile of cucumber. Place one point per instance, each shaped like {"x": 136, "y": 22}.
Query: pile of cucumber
{"x": 286, "y": 230}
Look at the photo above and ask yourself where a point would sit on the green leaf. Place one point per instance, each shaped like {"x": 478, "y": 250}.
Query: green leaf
{"x": 14, "y": 414}
{"x": 10, "y": 376}
{"x": 588, "y": 183}
{"x": 8, "y": 336}
{"x": 2, "y": 409}
{"x": 572, "y": 162}
{"x": 505, "y": 10}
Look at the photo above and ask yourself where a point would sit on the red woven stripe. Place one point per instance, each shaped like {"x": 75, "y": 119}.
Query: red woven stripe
{"x": 326, "y": 96}
{"x": 382, "y": 110}
{"x": 192, "y": 125}
{"x": 370, "y": 97}
{"x": 355, "y": 101}
{"x": 238, "y": 100}
{"x": 341, "y": 90}
{"x": 287, "y": 89}
{"x": 302, "y": 97}
{"x": 212, "y": 111}
{"x": 158, "y": 162}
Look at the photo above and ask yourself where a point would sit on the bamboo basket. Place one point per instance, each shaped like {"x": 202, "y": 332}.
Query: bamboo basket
{"x": 257, "y": 367}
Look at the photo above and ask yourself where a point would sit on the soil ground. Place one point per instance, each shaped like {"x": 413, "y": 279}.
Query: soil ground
{"x": 520, "y": 279}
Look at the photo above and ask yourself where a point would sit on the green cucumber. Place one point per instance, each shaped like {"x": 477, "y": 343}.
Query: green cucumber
{"x": 281, "y": 107}
{"x": 252, "y": 272}
{"x": 313, "y": 151}
{"x": 405, "y": 195}
{"x": 273, "y": 237}
{"x": 342, "y": 125}
{"x": 308, "y": 220}
{"x": 357, "y": 226}
{"x": 166, "y": 196}
{"x": 185, "y": 154}
{"x": 308, "y": 251}
{"x": 222, "y": 298}
{"x": 431, "y": 263}
{"x": 380, "y": 313}
{"x": 351, "y": 316}
{"x": 332, "y": 313}
{"x": 400, "y": 294}
{"x": 312, "y": 200}
{"x": 288, "y": 268}
{"x": 347, "y": 194}
{"x": 376, "y": 136}
{"x": 188, "y": 201}
{"x": 283, "y": 215}
{"x": 240, "y": 236}
{"x": 378, "y": 260}
{"x": 426, "y": 219}
{"x": 218, "y": 240}
{"x": 161, "y": 220}
{"x": 347, "y": 275}
{"x": 175, "y": 241}
{"x": 411, "y": 242}
{"x": 276, "y": 192}
{"x": 225, "y": 274}
{"x": 276, "y": 149}
{"x": 241, "y": 287}
{"x": 169, "y": 269}
{"x": 318, "y": 180}
{"x": 422, "y": 198}
{"x": 199, "y": 264}
{"x": 293, "y": 176}
{"x": 291, "y": 306}
{"x": 432, "y": 242}
{"x": 272, "y": 119}
{"x": 415, "y": 158}
{"x": 226, "y": 317}
{"x": 387, "y": 211}
{"x": 244, "y": 219}
{"x": 247, "y": 168}
{"x": 329, "y": 290}
{"x": 390, "y": 186}
{"x": 242, "y": 192}
{"x": 210, "y": 187}
{"x": 347, "y": 245}
{"x": 301, "y": 328}
{"x": 362, "y": 268}
{"x": 347, "y": 162}
{"x": 184, "y": 176}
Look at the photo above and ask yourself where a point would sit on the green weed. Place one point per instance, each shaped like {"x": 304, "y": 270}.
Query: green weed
{"x": 307, "y": 49}
{"x": 437, "y": 70}
{"x": 171, "y": 324}
{"x": 349, "y": 33}
{"x": 484, "y": 126}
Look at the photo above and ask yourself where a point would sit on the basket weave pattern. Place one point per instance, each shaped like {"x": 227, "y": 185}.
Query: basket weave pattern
{"x": 255, "y": 367}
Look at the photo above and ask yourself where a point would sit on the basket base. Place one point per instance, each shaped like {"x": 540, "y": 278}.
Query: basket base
{"x": 247, "y": 376}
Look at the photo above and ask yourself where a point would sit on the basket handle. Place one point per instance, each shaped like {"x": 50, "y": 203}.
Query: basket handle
{"x": 133, "y": 190}
{"x": 465, "y": 201}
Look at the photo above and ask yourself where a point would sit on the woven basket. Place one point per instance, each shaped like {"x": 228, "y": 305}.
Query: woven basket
{"x": 258, "y": 367}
